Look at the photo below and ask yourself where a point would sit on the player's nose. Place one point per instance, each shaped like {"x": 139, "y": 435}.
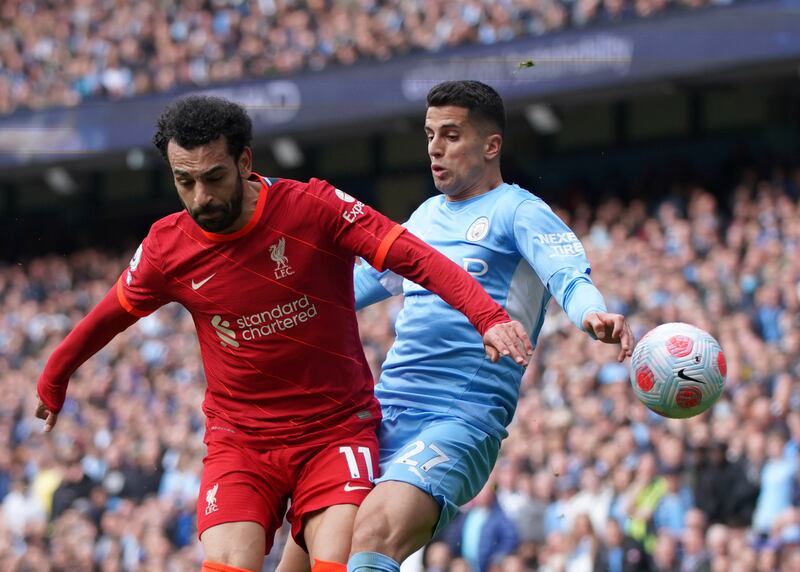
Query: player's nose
{"x": 435, "y": 149}
{"x": 202, "y": 196}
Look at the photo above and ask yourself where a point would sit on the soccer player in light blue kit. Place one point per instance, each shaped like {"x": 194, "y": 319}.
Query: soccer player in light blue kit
{"x": 445, "y": 405}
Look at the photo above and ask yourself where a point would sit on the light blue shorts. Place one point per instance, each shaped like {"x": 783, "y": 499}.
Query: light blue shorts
{"x": 445, "y": 456}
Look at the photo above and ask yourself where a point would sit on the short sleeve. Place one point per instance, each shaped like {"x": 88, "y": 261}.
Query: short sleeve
{"x": 355, "y": 227}
{"x": 546, "y": 242}
{"x": 141, "y": 287}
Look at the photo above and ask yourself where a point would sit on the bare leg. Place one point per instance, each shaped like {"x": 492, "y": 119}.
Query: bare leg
{"x": 328, "y": 533}
{"x": 294, "y": 558}
{"x": 239, "y": 544}
{"x": 395, "y": 520}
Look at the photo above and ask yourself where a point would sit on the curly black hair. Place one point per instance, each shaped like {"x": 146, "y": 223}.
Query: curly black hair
{"x": 483, "y": 102}
{"x": 197, "y": 120}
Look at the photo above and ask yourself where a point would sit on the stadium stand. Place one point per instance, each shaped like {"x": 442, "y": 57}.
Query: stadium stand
{"x": 115, "y": 486}
{"x": 65, "y": 53}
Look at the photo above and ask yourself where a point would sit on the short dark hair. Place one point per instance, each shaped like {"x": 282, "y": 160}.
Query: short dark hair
{"x": 197, "y": 120}
{"x": 482, "y": 100}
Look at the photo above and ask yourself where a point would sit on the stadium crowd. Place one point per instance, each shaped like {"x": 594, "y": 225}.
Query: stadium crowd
{"x": 62, "y": 53}
{"x": 587, "y": 480}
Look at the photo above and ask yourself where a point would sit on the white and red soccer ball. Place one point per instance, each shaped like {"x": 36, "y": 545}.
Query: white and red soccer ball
{"x": 678, "y": 370}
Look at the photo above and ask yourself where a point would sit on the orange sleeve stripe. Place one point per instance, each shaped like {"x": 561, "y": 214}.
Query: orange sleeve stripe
{"x": 385, "y": 245}
{"x": 123, "y": 301}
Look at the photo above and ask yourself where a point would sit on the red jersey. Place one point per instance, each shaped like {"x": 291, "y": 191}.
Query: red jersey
{"x": 273, "y": 305}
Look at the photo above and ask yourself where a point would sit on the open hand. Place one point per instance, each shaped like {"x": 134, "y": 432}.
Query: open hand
{"x": 611, "y": 329}
{"x": 508, "y": 339}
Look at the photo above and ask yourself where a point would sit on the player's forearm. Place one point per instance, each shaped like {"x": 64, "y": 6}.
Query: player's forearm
{"x": 577, "y": 295}
{"x": 98, "y": 328}
{"x": 420, "y": 263}
{"x": 367, "y": 286}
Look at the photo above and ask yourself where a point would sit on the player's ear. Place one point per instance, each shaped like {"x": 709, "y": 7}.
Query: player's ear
{"x": 492, "y": 145}
{"x": 245, "y": 163}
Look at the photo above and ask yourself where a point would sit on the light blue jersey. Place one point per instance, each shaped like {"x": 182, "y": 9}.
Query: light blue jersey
{"x": 522, "y": 254}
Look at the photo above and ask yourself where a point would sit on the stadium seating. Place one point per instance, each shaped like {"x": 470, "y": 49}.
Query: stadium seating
{"x": 65, "y": 53}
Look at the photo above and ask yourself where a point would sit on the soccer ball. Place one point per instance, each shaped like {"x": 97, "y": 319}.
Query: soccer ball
{"x": 678, "y": 370}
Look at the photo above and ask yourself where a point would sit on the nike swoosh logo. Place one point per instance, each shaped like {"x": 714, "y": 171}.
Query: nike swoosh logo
{"x": 198, "y": 285}
{"x": 682, "y": 375}
{"x": 348, "y": 487}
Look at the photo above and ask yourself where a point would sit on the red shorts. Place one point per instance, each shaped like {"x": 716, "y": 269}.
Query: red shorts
{"x": 241, "y": 484}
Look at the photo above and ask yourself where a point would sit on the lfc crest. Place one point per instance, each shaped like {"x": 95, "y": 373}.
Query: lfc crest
{"x": 278, "y": 256}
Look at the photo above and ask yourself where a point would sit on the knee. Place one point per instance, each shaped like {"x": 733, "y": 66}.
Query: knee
{"x": 240, "y": 545}
{"x": 372, "y": 530}
{"x": 393, "y": 524}
{"x": 235, "y": 559}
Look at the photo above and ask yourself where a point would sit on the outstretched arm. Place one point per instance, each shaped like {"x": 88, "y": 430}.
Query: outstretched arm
{"x": 558, "y": 258}
{"x": 411, "y": 258}
{"x": 584, "y": 305}
{"x": 385, "y": 244}
{"x": 98, "y": 328}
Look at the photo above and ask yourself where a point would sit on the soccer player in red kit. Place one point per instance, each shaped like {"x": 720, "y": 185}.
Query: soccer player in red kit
{"x": 264, "y": 266}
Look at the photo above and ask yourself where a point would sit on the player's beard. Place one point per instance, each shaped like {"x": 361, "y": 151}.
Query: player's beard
{"x": 230, "y": 211}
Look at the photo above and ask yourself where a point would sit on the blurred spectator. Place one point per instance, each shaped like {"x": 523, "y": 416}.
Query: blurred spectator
{"x": 621, "y": 480}
{"x": 517, "y": 497}
{"x": 437, "y": 557}
{"x": 665, "y": 554}
{"x": 74, "y": 485}
{"x": 583, "y": 545}
{"x": 717, "y": 541}
{"x": 66, "y": 52}
{"x": 513, "y": 563}
{"x": 670, "y": 512}
{"x": 143, "y": 476}
{"x": 5, "y": 472}
{"x": 557, "y": 515}
{"x": 483, "y": 535}
{"x": 21, "y": 509}
{"x": 593, "y": 499}
{"x": 777, "y": 478}
{"x": 712, "y": 463}
{"x": 620, "y": 553}
{"x": 644, "y": 495}
{"x": 769, "y": 313}
{"x": 790, "y": 559}
{"x": 460, "y": 565}
{"x": 694, "y": 556}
